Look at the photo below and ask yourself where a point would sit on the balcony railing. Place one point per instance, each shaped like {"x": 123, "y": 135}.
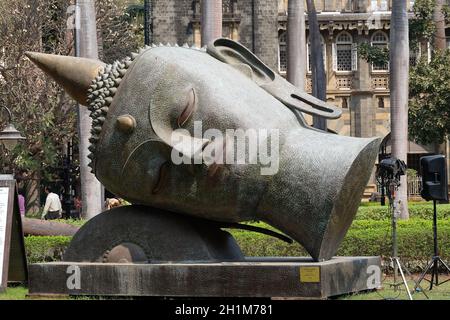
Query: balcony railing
{"x": 414, "y": 187}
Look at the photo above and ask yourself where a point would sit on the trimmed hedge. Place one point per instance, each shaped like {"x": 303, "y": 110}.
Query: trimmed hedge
{"x": 415, "y": 240}
{"x": 365, "y": 238}
{"x": 45, "y": 249}
{"x": 369, "y": 211}
{"x": 419, "y": 210}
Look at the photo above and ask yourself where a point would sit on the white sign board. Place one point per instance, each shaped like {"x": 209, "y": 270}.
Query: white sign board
{"x": 4, "y": 194}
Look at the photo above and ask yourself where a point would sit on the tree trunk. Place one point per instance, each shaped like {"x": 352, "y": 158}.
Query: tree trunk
{"x": 211, "y": 23}
{"x": 91, "y": 189}
{"x": 319, "y": 81}
{"x": 32, "y": 194}
{"x": 399, "y": 64}
{"x": 296, "y": 44}
{"x": 440, "y": 41}
{"x": 36, "y": 227}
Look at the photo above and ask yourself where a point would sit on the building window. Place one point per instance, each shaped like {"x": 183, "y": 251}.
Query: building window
{"x": 379, "y": 5}
{"x": 344, "y": 103}
{"x": 282, "y": 54}
{"x": 324, "y": 53}
{"x": 347, "y": 5}
{"x": 228, "y": 7}
{"x": 227, "y": 31}
{"x": 282, "y": 7}
{"x": 344, "y": 53}
{"x": 380, "y": 40}
{"x": 381, "y": 102}
{"x": 414, "y": 56}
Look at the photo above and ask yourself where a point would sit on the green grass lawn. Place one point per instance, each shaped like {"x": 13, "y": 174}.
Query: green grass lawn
{"x": 441, "y": 292}
{"x": 14, "y": 293}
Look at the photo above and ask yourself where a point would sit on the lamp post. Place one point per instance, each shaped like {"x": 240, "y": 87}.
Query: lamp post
{"x": 147, "y": 22}
{"x": 9, "y": 137}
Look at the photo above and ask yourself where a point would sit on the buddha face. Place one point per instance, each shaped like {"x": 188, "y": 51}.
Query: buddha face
{"x": 168, "y": 103}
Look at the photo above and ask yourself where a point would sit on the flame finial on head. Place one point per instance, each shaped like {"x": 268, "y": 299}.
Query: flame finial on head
{"x": 74, "y": 74}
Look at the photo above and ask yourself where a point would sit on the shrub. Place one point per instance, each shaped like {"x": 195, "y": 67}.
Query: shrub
{"x": 364, "y": 238}
{"x": 45, "y": 249}
{"x": 417, "y": 210}
{"x": 74, "y": 222}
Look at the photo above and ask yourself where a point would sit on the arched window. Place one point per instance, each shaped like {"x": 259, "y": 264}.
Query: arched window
{"x": 345, "y": 53}
{"x": 380, "y": 40}
{"x": 344, "y": 103}
{"x": 324, "y": 52}
{"x": 228, "y": 7}
{"x": 381, "y": 102}
{"x": 282, "y": 54}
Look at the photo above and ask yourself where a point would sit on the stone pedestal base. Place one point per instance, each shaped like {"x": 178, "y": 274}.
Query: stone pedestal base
{"x": 254, "y": 277}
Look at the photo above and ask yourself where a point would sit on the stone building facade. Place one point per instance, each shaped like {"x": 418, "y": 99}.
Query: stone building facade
{"x": 359, "y": 88}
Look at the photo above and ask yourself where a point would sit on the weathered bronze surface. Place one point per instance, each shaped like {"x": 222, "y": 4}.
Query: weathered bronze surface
{"x": 137, "y": 104}
{"x": 139, "y": 234}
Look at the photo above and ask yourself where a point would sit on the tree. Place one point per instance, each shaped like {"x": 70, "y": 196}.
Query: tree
{"x": 211, "y": 23}
{"x": 429, "y": 120}
{"x": 41, "y": 109}
{"x": 399, "y": 70}
{"x": 120, "y": 29}
{"x": 429, "y": 112}
{"x": 86, "y": 43}
{"x": 422, "y": 26}
{"x": 422, "y": 29}
{"x": 296, "y": 44}
{"x": 440, "y": 40}
{"x": 319, "y": 81}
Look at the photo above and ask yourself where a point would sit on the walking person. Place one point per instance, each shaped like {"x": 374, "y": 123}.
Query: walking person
{"x": 52, "y": 208}
{"x": 78, "y": 206}
{"x": 21, "y": 200}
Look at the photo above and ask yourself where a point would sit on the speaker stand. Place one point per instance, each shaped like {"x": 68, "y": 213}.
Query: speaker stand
{"x": 398, "y": 266}
{"x": 435, "y": 260}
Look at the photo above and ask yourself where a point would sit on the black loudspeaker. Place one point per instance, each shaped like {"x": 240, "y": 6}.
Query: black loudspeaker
{"x": 434, "y": 178}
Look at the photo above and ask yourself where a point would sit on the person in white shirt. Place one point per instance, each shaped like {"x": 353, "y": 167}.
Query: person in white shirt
{"x": 52, "y": 208}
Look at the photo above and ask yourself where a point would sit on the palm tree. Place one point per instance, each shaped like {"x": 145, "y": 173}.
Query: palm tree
{"x": 296, "y": 44}
{"x": 211, "y": 23}
{"x": 399, "y": 64}
{"x": 86, "y": 44}
{"x": 319, "y": 81}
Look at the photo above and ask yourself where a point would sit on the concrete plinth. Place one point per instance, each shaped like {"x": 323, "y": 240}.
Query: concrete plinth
{"x": 254, "y": 277}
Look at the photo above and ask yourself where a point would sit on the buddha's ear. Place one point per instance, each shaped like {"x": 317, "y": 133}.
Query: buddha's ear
{"x": 240, "y": 58}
